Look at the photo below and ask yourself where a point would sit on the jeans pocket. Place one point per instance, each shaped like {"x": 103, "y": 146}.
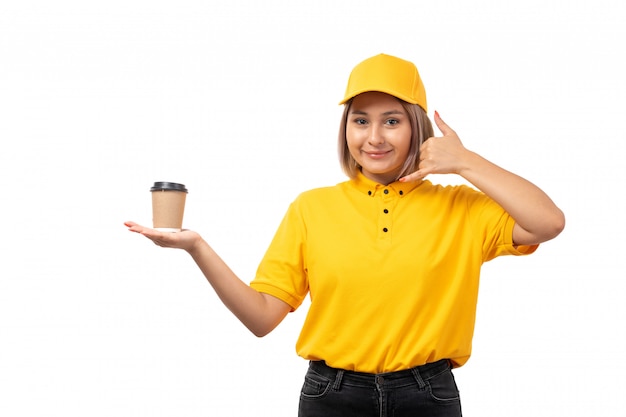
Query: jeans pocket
{"x": 443, "y": 388}
{"x": 315, "y": 385}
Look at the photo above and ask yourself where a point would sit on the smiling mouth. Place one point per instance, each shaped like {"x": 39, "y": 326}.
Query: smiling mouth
{"x": 377, "y": 155}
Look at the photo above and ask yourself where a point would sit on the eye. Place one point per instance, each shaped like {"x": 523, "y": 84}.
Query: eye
{"x": 360, "y": 121}
{"x": 392, "y": 122}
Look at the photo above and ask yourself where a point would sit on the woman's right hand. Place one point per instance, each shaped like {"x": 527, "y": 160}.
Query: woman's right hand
{"x": 259, "y": 312}
{"x": 185, "y": 239}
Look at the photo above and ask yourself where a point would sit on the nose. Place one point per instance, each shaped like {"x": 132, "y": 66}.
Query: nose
{"x": 376, "y": 136}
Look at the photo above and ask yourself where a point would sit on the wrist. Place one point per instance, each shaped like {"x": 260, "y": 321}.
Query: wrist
{"x": 195, "y": 246}
{"x": 468, "y": 163}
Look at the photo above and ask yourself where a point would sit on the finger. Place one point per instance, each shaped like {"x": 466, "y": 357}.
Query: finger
{"x": 133, "y": 227}
{"x": 152, "y": 233}
{"x": 443, "y": 126}
{"x": 415, "y": 176}
{"x": 137, "y": 228}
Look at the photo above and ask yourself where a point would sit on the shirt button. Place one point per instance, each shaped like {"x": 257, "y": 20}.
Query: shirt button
{"x": 385, "y": 211}
{"x": 401, "y": 192}
{"x": 385, "y": 229}
{"x": 369, "y": 193}
{"x": 386, "y": 191}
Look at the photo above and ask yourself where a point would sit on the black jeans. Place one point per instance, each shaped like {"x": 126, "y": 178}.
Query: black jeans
{"x": 429, "y": 390}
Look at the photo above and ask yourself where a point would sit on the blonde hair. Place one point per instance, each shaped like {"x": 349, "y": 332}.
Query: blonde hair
{"x": 421, "y": 129}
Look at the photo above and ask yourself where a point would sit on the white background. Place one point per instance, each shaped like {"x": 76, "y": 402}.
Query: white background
{"x": 238, "y": 100}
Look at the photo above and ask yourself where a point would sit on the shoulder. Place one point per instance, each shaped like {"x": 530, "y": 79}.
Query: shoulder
{"x": 454, "y": 198}
{"x": 448, "y": 191}
{"x": 322, "y": 193}
{"x": 319, "y": 200}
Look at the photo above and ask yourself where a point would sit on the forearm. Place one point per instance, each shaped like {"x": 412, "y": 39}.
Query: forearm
{"x": 259, "y": 312}
{"x": 537, "y": 218}
{"x": 532, "y": 209}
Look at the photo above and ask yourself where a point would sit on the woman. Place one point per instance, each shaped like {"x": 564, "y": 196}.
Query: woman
{"x": 390, "y": 261}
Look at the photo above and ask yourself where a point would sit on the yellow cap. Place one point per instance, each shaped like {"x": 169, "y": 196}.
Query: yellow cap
{"x": 387, "y": 74}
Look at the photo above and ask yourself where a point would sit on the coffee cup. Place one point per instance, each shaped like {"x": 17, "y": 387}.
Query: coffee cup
{"x": 168, "y": 206}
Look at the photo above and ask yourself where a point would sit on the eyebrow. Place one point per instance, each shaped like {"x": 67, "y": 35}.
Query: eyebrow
{"x": 387, "y": 113}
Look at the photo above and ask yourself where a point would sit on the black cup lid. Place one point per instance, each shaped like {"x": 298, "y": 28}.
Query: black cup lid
{"x": 168, "y": 186}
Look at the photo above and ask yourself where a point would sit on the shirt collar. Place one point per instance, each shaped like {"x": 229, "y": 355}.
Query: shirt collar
{"x": 369, "y": 187}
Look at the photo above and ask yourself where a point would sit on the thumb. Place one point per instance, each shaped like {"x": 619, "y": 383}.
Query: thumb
{"x": 443, "y": 127}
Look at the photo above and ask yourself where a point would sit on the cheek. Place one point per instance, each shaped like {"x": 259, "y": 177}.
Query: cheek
{"x": 354, "y": 152}
{"x": 352, "y": 140}
{"x": 405, "y": 144}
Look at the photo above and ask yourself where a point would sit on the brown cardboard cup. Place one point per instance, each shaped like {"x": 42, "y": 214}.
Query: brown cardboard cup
{"x": 168, "y": 206}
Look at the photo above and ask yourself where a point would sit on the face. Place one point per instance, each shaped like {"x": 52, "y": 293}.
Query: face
{"x": 378, "y": 133}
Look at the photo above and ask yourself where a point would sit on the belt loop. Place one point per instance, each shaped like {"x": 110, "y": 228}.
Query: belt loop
{"x": 338, "y": 378}
{"x": 418, "y": 378}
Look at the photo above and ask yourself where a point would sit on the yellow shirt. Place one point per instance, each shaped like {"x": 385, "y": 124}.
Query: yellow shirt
{"x": 392, "y": 271}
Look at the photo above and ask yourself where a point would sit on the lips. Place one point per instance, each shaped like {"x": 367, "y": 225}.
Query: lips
{"x": 376, "y": 154}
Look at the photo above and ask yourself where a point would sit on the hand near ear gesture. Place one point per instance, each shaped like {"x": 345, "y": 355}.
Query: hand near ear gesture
{"x": 537, "y": 217}
{"x": 440, "y": 154}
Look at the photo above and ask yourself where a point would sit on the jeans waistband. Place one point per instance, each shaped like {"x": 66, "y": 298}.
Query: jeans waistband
{"x": 418, "y": 373}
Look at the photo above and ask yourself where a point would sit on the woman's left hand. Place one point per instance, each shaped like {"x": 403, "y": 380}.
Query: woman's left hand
{"x": 537, "y": 218}
{"x": 439, "y": 154}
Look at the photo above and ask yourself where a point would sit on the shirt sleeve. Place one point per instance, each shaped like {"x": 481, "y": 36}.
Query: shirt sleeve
{"x": 508, "y": 247}
{"x": 496, "y": 227}
{"x": 282, "y": 272}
